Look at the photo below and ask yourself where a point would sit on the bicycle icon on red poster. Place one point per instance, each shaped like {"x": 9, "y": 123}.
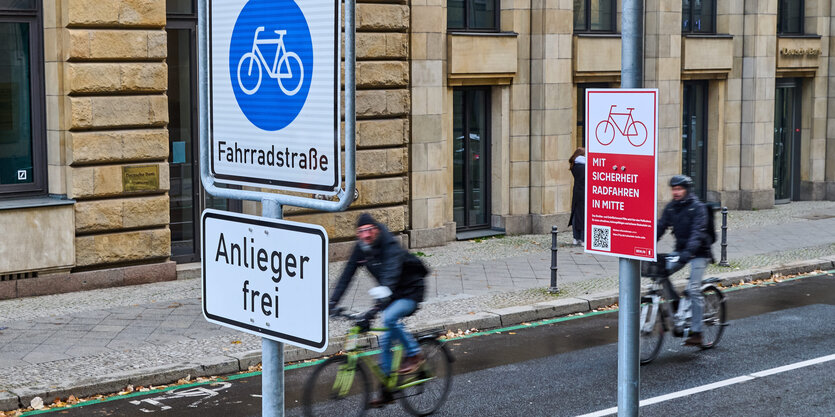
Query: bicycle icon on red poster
{"x": 635, "y": 131}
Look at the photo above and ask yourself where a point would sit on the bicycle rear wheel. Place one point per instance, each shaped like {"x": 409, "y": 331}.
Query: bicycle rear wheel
{"x": 427, "y": 397}
{"x": 336, "y": 389}
{"x": 651, "y": 328}
{"x": 713, "y": 318}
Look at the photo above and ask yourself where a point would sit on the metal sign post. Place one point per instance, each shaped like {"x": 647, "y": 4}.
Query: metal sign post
{"x": 629, "y": 273}
{"x": 272, "y": 351}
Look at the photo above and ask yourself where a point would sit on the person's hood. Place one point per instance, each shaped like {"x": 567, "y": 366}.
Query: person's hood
{"x": 580, "y": 160}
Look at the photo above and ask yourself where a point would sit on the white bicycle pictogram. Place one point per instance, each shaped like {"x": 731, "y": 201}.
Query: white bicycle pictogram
{"x": 632, "y": 129}
{"x": 282, "y": 66}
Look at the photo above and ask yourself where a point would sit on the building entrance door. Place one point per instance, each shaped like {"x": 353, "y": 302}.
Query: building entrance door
{"x": 186, "y": 196}
{"x": 694, "y": 135}
{"x": 786, "y": 140}
{"x": 471, "y": 158}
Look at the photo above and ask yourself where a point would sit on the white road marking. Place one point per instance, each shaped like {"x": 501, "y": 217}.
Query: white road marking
{"x": 719, "y": 384}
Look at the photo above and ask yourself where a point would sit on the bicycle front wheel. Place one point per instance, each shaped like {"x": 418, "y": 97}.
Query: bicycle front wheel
{"x": 651, "y": 328}
{"x": 290, "y": 80}
{"x": 433, "y": 380}
{"x": 713, "y": 318}
{"x": 336, "y": 388}
{"x": 639, "y": 131}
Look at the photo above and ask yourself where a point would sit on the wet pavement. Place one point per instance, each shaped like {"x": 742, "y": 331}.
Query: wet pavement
{"x": 101, "y": 341}
{"x": 569, "y": 368}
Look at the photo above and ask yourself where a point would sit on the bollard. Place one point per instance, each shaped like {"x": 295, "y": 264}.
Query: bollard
{"x": 553, "y": 289}
{"x": 724, "y": 260}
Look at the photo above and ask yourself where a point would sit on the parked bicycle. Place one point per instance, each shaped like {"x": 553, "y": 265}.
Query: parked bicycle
{"x": 283, "y": 66}
{"x": 632, "y": 129}
{"x": 658, "y": 310}
{"x": 341, "y": 386}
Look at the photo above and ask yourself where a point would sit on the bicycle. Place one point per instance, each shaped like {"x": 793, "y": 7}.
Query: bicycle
{"x": 282, "y": 60}
{"x": 658, "y": 315}
{"x": 610, "y": 124}
{"x": 340, "y": 385}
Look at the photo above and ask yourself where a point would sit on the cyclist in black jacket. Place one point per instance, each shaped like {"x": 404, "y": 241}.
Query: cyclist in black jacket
{"x": 688, "y": 218}
{"x": 393, "y": 267}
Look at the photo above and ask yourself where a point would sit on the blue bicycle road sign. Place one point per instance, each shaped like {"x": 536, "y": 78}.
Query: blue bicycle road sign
{"x": 274, "y": 92}
{"x": 270, "y": 62}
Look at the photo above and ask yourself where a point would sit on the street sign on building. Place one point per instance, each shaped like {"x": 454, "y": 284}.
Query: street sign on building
{"x": 621, "y": 172}
{"x": 274, "y": 94}
{"x": 267, "y": 277}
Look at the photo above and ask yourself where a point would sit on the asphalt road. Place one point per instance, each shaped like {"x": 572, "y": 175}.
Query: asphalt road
{"x": 570, "y": 368}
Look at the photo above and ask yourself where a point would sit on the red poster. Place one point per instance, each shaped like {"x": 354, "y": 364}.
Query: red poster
{"x": 621, "y": 172}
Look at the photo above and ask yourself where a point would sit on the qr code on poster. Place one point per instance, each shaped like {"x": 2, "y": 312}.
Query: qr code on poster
{"x": 601, "y": 238}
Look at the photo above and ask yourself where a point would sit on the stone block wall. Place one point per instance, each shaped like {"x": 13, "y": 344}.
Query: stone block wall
{"x": 430, "y": 149}
{"x": 829, "y": 145}
{"x": 730, "y": 19}
{"x": 383, "y": 104}
{"x": 113, "y": 114}
{"x": 758, "y": 78}
{"x": 516, "y": 16}
{"x": 814, "y": 108}
{"x": 551, "y": 113}
{"x": 662, "y": 70}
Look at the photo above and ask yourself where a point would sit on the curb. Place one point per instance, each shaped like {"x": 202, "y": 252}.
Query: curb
{"x": 484, "y": 320}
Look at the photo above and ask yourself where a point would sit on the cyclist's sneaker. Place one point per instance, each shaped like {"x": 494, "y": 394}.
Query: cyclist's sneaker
{"x": 695, "y": 339}
{"x": 678, "y": 331}
{"x": 411, "y": 364}
{"x": 384, "y": 398}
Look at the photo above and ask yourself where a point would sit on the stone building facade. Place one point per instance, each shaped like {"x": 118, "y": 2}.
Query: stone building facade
{"x": 745, "y": 105}
{"x": 467, "y": 112}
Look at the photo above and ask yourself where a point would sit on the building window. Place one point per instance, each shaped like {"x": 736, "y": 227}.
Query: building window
{"x": 475, "y": 15}
{"x": 22, "y": 126}
{"x": 694, "y": 135}
{"x": 698, "y": 16}
{"x": 180, "y": 7}
{"x": 471, "y": 158}
{"x": 790, "y": 17}
{"x": 595, "y": 16}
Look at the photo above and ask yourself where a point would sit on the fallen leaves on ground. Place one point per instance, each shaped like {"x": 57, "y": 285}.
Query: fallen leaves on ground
{"x": 460, "y": 333}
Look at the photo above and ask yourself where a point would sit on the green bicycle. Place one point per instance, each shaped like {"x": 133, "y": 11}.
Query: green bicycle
{"x": 341, "y": 386}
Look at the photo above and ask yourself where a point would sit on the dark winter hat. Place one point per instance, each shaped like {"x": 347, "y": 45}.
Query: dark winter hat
{"x": 365, "y": 219}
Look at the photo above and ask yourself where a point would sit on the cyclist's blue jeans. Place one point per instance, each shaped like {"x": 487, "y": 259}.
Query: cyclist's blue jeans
{"x": 391, "y": 320}
{"x": 693, "y": 291}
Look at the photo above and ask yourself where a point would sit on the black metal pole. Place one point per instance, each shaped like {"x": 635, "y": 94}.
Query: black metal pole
{"x": 724, "y": 260}
{"x": 553, "y": 289}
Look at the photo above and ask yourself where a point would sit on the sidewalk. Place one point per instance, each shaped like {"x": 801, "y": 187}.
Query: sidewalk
{"x": 103, "y": 340}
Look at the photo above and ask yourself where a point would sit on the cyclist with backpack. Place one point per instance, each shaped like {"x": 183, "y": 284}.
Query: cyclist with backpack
{"x": 689, "y": 219}
{"x": 402, "y": 273}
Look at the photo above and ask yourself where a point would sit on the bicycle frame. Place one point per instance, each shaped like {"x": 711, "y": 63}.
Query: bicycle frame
{"x": 630, "y": 122}
{"x": 272, "y": 71}
{"x": 345, "y": 377}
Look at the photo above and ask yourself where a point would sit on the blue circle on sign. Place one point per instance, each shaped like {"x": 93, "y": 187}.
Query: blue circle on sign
{"x": 271, "y": 62}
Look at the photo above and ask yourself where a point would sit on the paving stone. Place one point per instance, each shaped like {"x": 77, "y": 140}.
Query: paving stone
{"x": 601, "y": 299}
{"x": 9, "y": 401}
{"x": 561, "y": 307}
{"x": 250, "y": 358}
{"x": 36, "y": 357}
{"x": 515, "y": 315}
